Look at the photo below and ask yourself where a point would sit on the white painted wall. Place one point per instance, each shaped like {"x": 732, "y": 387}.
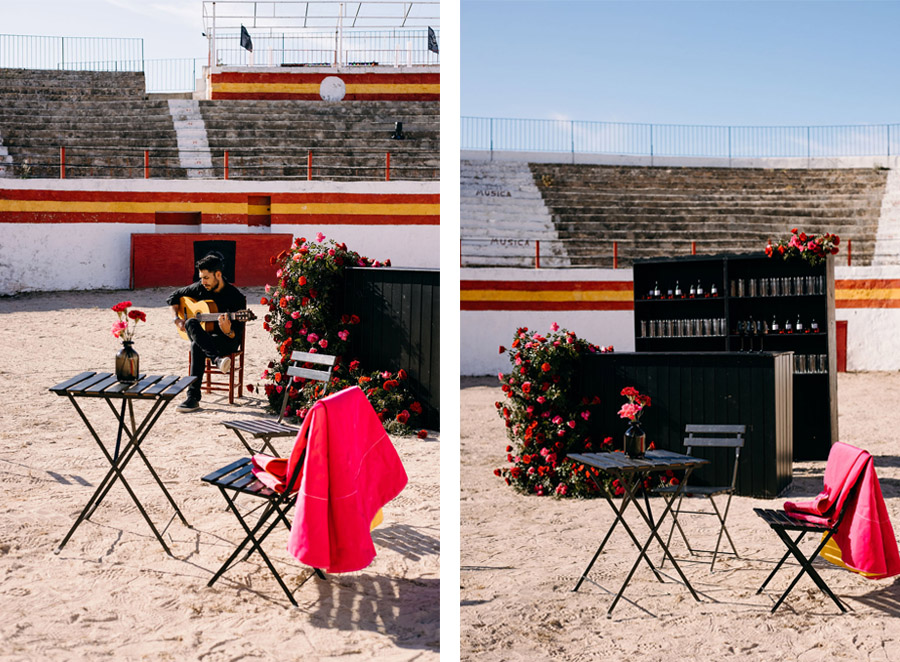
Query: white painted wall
{"x": 81, "y": 256}
{"x": 873, "y": 341}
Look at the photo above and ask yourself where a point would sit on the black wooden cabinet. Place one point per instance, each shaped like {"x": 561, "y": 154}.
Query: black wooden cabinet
{"x": 749, "y": 303}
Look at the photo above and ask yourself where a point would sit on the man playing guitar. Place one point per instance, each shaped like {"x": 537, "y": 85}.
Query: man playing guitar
{"x": 226, "y": 336}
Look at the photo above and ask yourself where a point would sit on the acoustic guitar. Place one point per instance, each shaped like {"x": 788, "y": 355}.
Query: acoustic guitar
{"x": 205, "y": 311}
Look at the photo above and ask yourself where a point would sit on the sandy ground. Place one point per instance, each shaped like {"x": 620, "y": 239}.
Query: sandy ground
{"x": 113, "y": 593}
{"x": 521, "y": 556}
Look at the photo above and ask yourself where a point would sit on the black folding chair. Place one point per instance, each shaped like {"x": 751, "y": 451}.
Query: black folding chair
{"x": 264, "y": 430}
{"x": 781, "y": 522}
{"x": 724, "y": 436}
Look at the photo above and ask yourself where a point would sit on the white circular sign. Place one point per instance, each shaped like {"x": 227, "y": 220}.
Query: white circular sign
{"x": 332, "y": 89}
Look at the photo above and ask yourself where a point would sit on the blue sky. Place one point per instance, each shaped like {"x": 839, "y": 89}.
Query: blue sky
{"x": 714, "y": 62}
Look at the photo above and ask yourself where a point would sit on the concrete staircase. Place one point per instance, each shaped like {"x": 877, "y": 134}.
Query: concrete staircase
{"x": 349, "y": 140}
{"x": 193, "y": 145}
{"x": 653, "y": 212}
{"x": 502, "y": 215}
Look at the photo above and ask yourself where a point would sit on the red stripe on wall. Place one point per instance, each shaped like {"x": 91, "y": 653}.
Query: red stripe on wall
{"x": 867, "y": 303}
{"x": 556, "y": 286}
{"x": 354, "y": 219}
{"x": 107, "y": 217}
{"x": 359, "y": 198}
{"x": 352, "y": 78}
{"x": 867, "y": 284}
{"x": 546, "y": 305}
{"x": 122, "y": 196}
{"x": 274, "y": 96}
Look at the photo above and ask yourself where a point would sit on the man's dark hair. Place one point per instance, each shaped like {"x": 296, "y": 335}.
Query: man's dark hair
{"x": 212, "y": 263}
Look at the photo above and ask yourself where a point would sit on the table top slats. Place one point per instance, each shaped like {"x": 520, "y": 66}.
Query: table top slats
{"x": 62, "y": 387}
{"x": 160, "y": 385}
{"x": 118, "y": 387}
{"x": 97, "y": 387}
{"x": 138, "y": 388}
{"x": 178, "y": 386}
{"x": 81, "y": 387}
{"x": 656, "y": 460}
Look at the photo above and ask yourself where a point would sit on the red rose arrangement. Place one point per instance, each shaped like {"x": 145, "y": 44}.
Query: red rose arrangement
{"x": 813, "y": 249}
{"x": 126, "y": 325}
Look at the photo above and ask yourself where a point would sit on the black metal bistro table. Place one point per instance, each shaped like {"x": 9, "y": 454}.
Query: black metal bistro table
{"x": 631, "y": 473}
{"x": 159, "y": 392}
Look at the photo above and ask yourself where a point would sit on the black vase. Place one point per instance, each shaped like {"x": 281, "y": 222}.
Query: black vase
{"x": 127, "y": 363}
{"x": 635, "y": 440}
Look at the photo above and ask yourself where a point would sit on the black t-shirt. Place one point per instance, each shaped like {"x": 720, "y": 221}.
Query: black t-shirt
{"x": 228, "y": 300}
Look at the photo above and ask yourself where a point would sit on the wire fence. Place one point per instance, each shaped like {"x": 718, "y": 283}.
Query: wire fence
{"x": 634, "y": 139}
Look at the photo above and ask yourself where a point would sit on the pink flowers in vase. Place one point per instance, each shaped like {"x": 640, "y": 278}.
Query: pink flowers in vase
{"x": 633, "y": 409}
{"x": 125, "y": 327}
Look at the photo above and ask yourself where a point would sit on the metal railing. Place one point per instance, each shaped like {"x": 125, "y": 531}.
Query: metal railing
{"x": 634, "y": 139}
{"x": 69, "y": 53}
{"x": 595, "y": 252}
{"x": 94, "y": 162}
{"x": 396, "y": 47}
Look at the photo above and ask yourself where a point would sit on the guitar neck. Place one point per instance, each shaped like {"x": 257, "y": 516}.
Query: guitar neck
{"x": 212, "y": 317}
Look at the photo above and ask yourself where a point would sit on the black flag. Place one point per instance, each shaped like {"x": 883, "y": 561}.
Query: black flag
{"x": 245, "y": 39}
{"x": 432, "y": 41}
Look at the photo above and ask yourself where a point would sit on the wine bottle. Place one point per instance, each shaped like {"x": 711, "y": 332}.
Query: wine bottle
{"x": 775, "y": 328}
{"x": 678, "y": 292}
{"x": 814, "y": 326}
{"x": 692, "y": 293}
{"x": 788, "y": 327}
{"x": 669, "y": 295}
{"x": 699, "y": 290}
{"x": 656, "y": 290}
{"x": 798, "y": 327}
{"x": 714, "y": 291}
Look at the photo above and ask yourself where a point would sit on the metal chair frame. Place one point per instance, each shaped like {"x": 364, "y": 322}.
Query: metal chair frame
{"x": 782, "y": 522}
{"x": 231, "y": 386}
{"x": 726, "y": 436}
{"x": 264, "y": 430}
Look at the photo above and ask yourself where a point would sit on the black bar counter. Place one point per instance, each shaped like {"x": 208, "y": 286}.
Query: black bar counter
{"x": 750, "y": 388}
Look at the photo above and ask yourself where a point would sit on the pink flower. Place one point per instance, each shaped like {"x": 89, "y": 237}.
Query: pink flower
{"x": 562, "y": 489}
{"x": 295, "y": 314}
{"x": 557, "y": 420}
{"x": 320, "y": 237}
{"x": 118, "y": 328}
{"x": 343, "y": 335}
{"x": 585, "y": 415}
{"x": 571, "y": 424}
{"x": 386, "y": 374}
{"x": 541, "y": 399}
{"x": 323, "y": 343}
{"x": 554, "y": 327}
{"x": 561, "y": 432}
{"x": 629, "y": 411}
{"x": 288, "y": 324}
{"x": 312, "y": 337}
{"x": 331, "y": 251}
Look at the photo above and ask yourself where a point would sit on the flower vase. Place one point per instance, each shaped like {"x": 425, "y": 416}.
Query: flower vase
{"x": 635, "y": 440}
{"x": 127, "y": 363}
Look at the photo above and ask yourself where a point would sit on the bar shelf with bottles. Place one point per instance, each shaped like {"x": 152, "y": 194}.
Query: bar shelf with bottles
{"x": 760, "y": 304}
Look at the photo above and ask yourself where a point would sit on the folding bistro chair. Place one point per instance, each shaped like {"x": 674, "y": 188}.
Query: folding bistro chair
{"x": 232, "y": 383}
{"x": 723, "y": 436}
{"x": 847, "y": 466}
{"x": 264, "y": 430}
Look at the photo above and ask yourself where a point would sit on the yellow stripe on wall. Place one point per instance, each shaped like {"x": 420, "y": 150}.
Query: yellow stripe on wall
{"x": 883, "y": 293}
{"x": 86, "y": 207}
{"x": 549, "y": 295}
{"x": 357, "y": 209}
{"x": 313, "y": 88}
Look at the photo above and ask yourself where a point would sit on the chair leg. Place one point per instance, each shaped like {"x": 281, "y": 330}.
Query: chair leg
{"x": 780, "y": 563}
{"x": 807, "y": 567}
{"x": 722, "y": 529}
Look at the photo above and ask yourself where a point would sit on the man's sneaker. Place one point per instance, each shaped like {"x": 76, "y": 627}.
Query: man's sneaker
{"x": 224, "y": 364}
{"x": 190, "y": 404}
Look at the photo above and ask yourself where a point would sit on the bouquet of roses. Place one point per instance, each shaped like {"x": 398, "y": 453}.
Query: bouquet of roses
{"x": 813, "y": 249}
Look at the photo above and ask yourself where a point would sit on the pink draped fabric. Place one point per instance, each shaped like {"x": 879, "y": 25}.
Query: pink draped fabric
{"x": 351, "y": 470}
{"x": 865, "y": 539}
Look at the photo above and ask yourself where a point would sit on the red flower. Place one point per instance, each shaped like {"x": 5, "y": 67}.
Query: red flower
{"x": 496, "y": 472}
{"x": 401, "y": 374}
{"x": 630, "y": 391}
{"x": 526, "y": 387}
{"x": 545, "y": 367}
{"x": 354, "y": 365}
{"x": 137, "y": 315}
{"x": 403, "y": 416}
{"x": 354, "y": 319}
{"x": 263, "y": 301}
{"x": 302, "y": 280}
{"x": 422, "y": 434}
{"x": 502, "y": 349}
{"x": 416, "y": 408}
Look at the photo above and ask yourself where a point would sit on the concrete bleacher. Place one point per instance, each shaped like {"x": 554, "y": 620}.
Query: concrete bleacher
{"x": 349, "y": 140}
{"x": 106, "y": 121}
{"x": 103, "y": 119}
{"x": 659, "y": 211}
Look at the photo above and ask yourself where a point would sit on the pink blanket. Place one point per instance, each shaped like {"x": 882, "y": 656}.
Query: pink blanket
{"x": 865, "y": 541}
{"x": 351, "y": 470}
